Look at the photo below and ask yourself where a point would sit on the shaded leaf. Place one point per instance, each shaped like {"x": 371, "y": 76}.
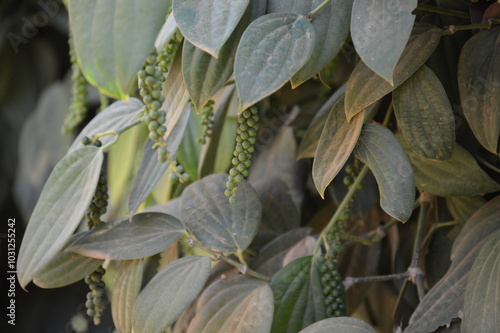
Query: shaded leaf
{"x": 177, "y": 284}
{"x": 462, "y": 208}
{"x": 479, "y": 85}
{"x": 380, "y": 31}
{"x": 66, "y": 268}
{"x": 216, "y": 223}
{"x": 458, "y": 176}
{"x": 365, "y": 87}
{"x": 208, "y": 23}
{"x": 339, "y": 325}
{"x": 379, "y": 149}
{"x": 125, "y": 291}
{"x": 104, "y": 32}
{"x": 425, "y": 116}
{"x": 241, "y": 305}
{"x": 298, "y": 295}
{"x": 60, "y": 208}
{"x": 482, "y": 306}
{"x": 336, "y": 144}
{"x": 118, "y": 115}
{"x": 272, "y": 49}
{"x": 445, "y": 300}
{"x": 146, "y": 234}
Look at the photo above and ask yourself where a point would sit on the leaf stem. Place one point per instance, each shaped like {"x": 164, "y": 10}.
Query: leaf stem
{"x": 443, "y": 11}
{"x": 454, "y": 28}
{"x": 388, "y": 115}
{"x": 315, "y": 11}
{"x": 349, "y": 281}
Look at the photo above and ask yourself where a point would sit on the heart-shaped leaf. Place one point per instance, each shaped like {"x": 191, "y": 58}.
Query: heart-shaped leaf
{"x": 208, "y": 23}
{"x": 243, "y": 305}
{"x": 105, "y": 32}
{"x": 339, "y": 325}
{"x": 61, "y": 207}
{"x": 425, "y": 115}
{"x": 144, "y": 236}
{"x": 169, "y": 293}
{"x": 217, "y": 224}
{"x": 379, "y": 149}
{"x": 272, "y": 49}
{"x": 380, "y": 31}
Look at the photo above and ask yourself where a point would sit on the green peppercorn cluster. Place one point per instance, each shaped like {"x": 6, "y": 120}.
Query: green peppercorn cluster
{"x": 178, "y": 174}
{"x": 150, "y": 80}
{"x": 207, "y": 122}
{"x": 95, "y": 297}
{"x": 78, "y": 106}
{"x": 242, "y": 155}
{"x": 333, "y": 288}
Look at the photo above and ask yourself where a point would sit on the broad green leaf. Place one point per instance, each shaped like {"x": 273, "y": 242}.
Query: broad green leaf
{"x": 458, "y": 176}
{"x": 379, "y": 149}
{"x": 336, "y": 144}
{"x": 216, "y": 223}
{"x": 105, "y": 32}
{"x": 66, "y": 268}
{"x": 270, "y": 259}
{"x": 365, "y": 87}
{"x": 479, "y": 85}
{"x": 144, "y": 236}
{"x": 310, "y": 140}
{"x": 298, "y": 295}
{"x": 331, "y": 25}
{"x": 204, "y": 74}
{"x": 208, "y": 23}
{"x": 482, "y": 305}
{"x": 445, "y": 300}
{"x": 380, "y": 31}
{"x": 125, "y": 291}
{"x": 62, "y": 204}
{"x": 169, "y": 293}
{"x": 339, "y": 325}
{"x": 272, "y": 49}
{"x": 243, "y": 305}
{"x": 462, "y": 208}
{"x": 425, "y": 116}
{"x": 117, "y": 116}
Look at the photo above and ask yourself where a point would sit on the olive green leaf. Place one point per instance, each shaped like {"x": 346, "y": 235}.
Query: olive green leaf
{"x": 125, "y": 291}
{"x": 331, "y": 25}
{"x": 117, "y": 116}
{"x": 380, "y": 31}
{"x": 243, "y": 305}
{"x": 482, "y": 307}
{"x": 479, "y": 85}
{"x": 208, "y": 23}
{"x": 462, "y": 208}
{"x": 217, "y": 224}
{"x": 272, "y": 49}
{"x": 336, "y": 144}
{"x": 61, "y": 207}
{"x": 445, "y": 300}
{"x": 339, "y": 325}
{"x": 298, "y": 295}
{"x": 425, "y": 116}
{"x": 104, "y": 32}
{"x": 146, "y": 234}
{"x": 66, "y": 268}
{"x": 204, "y": 74}
{"x": 365, "y": 87}
{"x": 169, "y": 293}
{"x": 458, "y": 176}
{"x": 379, "y": 149}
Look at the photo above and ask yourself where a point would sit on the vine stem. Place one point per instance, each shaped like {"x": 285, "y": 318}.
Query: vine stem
{"x": 349, "y": 281}
{"x": 443, "y": 11}
{"x": 454, "y": 28}
{"x": 115, "y": 133}
{"x": 315, "y": 11}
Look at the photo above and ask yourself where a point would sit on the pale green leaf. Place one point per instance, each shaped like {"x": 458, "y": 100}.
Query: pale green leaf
{"x": 208, "y": 23}
{"x": 169, "y": 293}
{"x": 380, "y": 31}
{"x": 425, "y": 116}
{"x": 339, "y": 325}
{"x": 105, "y": 32}
{"x": 145, "y": 235}
{"x": 272, "y": 49}
{"x": 217, "y": 224}
{"x": 379, "y": 149}
{"x": 166, "y": 33}
{"x": 60, "y": 208}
